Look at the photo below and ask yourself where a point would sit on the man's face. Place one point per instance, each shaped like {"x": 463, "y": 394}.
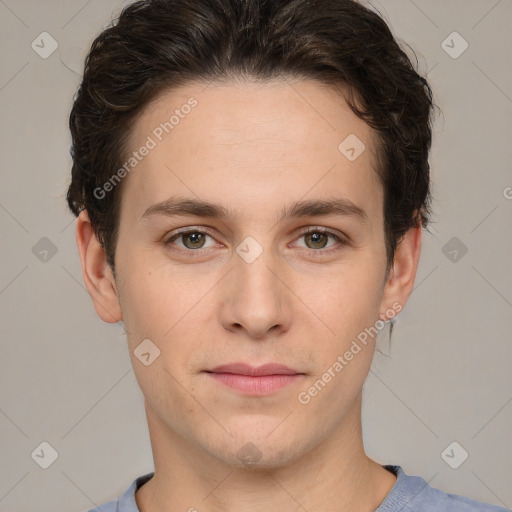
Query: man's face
{"x": 251, "y": 287}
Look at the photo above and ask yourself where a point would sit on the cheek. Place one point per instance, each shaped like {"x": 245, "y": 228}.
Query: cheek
{"x": 344, "y": 301}
{"x": 142, "y": 307}
{"x": 349, "y": 308}
{"x": 165, "y": 306}
{"x": 145, "y": 293}
{"x": 157, "y": 309}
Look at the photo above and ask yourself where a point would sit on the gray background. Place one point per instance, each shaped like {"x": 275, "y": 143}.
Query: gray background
{"x": 66, "y": 377}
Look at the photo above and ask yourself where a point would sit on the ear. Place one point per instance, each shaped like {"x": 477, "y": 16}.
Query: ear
{"x": 400, "y": 281}
{"x": 96, "y": 272}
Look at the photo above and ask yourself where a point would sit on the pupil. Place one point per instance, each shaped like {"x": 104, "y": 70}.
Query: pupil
{"x": 316, "y": 237}
{"x": 195, "y": 238}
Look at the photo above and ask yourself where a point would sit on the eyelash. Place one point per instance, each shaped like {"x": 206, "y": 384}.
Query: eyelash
{"x": 193, "y": 252}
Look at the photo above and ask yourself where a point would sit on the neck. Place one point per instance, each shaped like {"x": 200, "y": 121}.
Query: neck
{"x": 334, "y": 476}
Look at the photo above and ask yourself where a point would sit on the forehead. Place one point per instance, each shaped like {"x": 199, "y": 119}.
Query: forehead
{"x": 243, "y": 140}
{"x": 240, "y": 112}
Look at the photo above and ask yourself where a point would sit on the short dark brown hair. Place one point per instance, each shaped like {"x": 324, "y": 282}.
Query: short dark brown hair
{"x": 157, "y": 45}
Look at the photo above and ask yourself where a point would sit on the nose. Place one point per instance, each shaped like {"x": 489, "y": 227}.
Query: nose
{"x": 256, "y": 299}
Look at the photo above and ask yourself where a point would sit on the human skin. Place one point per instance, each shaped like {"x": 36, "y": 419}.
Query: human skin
{"x": 252, "y": 148}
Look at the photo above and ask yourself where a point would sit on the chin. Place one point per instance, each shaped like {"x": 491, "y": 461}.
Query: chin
{"x": 261, "y": 451}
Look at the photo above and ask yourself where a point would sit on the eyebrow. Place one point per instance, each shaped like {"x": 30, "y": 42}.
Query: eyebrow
{"x": 177, "y": 206}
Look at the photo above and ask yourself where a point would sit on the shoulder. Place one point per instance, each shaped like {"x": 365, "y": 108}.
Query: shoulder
{"x": 126, "y": 502}
{"x": 455, "y": 503}
{"x": 414, "y": 494}
{"x": 110, "y": 506}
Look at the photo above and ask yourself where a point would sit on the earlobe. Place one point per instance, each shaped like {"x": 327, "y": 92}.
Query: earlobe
{"x": 400, "y": 282}
{"x": 96, "y": 272}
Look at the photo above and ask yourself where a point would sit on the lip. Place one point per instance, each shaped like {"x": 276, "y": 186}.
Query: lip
{"x": 255, "y": 380}
{"x": 255, "y": 371}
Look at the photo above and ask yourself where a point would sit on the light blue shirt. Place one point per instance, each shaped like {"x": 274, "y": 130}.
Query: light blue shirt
{"x": 409, "y": 494}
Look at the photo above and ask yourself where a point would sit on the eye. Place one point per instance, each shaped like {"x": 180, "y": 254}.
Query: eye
{"x": 192, "y": 239}
{"x": 317, "y": 239}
